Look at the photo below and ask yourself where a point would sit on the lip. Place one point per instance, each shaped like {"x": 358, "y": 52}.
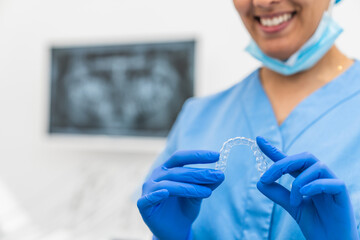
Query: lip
{"x": 274, "y": 29}
{"x": 274, "y": 14}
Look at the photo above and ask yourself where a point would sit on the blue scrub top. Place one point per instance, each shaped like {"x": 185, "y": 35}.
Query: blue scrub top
{"x": 326, "y": 124}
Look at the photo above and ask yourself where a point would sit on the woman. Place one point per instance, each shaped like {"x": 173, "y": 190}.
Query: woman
{"x": 304, "y": 98}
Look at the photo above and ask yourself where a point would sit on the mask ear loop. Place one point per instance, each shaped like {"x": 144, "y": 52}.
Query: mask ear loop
{"x": 330, "y": 8}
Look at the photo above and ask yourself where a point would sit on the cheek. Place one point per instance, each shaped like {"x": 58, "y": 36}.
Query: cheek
{"x": 243, "y": 7}
{"x": 310, "y": 17}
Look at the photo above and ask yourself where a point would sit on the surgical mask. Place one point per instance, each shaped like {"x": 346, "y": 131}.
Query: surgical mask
{"x": 309, "y": 54}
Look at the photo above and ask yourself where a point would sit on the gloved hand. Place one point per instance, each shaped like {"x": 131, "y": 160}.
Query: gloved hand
{"x": 172, "y": 195}
{"x": 318, "y": 200}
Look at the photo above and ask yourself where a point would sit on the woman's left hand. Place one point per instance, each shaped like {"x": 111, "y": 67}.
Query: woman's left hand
{"x": 318, "y": 200}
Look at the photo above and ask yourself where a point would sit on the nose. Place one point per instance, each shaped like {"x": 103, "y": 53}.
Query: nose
{"x": 265, "y": 3}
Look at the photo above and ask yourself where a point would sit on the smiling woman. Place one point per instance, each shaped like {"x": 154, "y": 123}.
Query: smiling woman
{"x": 304, "y": 98}
{"x": 283, "y": 38}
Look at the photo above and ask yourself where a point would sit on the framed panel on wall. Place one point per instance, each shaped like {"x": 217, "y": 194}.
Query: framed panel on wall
{"x": 129, "y": 90}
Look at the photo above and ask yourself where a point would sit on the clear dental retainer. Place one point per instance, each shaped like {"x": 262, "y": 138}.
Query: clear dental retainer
{"x": 262, "y": 164}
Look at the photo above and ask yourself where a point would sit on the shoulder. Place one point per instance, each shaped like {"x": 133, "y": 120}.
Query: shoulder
{"x": 353, "y": 72}
{"x": 355, "y": 68}
{"x": 215, "y": 103}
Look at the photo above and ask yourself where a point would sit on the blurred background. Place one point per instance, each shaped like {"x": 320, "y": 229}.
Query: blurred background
{"x": 84, "y": 186}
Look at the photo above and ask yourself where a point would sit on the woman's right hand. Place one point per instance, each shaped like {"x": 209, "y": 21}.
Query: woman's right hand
{"x": 172, "y": 195}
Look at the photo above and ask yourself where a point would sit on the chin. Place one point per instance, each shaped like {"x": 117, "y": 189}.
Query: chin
{"x": 278, "y": 52}
{"x": 280, "y": 48}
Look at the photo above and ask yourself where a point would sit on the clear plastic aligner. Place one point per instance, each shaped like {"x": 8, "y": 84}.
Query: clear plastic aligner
{"x": 261, "y": 162}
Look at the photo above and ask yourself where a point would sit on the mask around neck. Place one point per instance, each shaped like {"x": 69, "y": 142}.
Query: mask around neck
{"x": 308, "y": 55}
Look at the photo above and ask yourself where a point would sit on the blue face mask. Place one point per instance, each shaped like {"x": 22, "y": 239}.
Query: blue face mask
{"x": 308, "y": 55}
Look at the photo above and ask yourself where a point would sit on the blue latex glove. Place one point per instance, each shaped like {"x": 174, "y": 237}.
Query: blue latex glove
{"x": 172, "y": 195}
{"x": 318, "y": 200}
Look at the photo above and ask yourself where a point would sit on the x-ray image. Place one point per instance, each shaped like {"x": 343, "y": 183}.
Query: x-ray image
{"x": 134, "y": 90}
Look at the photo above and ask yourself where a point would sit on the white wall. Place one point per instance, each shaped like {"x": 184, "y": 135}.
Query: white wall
{"x": 80, "y": 188}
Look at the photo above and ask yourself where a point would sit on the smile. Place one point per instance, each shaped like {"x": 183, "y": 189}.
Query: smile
{"x": 270, "y": 22}
{"x": 275, "y": 22}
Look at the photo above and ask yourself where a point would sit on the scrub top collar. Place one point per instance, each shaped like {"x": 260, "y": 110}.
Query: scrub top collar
{"x": 320, "y": 103}
{"x": 261, "y": 117}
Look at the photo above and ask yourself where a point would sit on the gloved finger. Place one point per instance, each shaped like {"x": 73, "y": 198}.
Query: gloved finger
{"x": 269, "y": 150}
{"x": 278, "y": 194}
{"x": 179, "y": 189}
{"x": 316, "y": 171}
{"x": 190, "y": 175}
{"x": 334, "y": 187}
{"x": 215, "y": 185}
{"x": 293, "y": 164}
{"x": 147, "y": 201}
{"x": 182, "y": 158}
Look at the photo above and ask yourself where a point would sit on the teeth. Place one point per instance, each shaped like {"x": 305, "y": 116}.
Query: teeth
{"x": 270, "y": 22}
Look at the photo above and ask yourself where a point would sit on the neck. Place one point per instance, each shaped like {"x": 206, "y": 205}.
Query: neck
{"x": 286, "y": 92}
{"x": 330, "y": 66}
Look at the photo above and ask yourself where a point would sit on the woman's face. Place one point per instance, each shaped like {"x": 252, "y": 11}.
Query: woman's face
{"x": 281, "y": 27}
